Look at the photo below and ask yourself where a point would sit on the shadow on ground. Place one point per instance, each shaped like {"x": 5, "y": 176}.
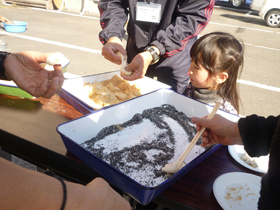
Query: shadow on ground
{"x": 249, "y": 19}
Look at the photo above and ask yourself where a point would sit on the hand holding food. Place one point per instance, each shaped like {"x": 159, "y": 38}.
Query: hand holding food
{"x": 138, "y": 66}
{"x": 124, "y": 64}
{"x": 25, "y": 70}
{"x": 109, "y": 50}
{"x": 54, "y": 59}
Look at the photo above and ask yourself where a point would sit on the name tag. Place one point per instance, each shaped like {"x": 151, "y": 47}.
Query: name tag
{"x": 148, "y": 12}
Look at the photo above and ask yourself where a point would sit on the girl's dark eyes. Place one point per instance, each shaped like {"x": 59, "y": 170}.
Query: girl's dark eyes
{"x": 196, "y": 67}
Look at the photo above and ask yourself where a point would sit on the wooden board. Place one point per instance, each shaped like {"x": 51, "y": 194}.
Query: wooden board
{"x": 32, "y": 3}
{"x": 58, "y": 3}
{"x": 5, "y": 20}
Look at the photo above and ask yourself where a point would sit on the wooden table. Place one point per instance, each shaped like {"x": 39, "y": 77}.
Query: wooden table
{"x": 28, "y": 130}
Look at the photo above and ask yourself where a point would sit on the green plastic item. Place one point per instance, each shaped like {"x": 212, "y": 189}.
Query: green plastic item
{"x": 14, "y": 91}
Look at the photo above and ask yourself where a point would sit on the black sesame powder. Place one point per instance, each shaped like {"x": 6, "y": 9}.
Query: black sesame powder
{"x": 134, "y": 158}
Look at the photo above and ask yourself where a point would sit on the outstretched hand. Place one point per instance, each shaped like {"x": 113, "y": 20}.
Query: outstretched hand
{"x": 25, "y": 70}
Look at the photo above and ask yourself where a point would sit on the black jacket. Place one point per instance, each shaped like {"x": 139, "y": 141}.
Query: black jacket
{"x": 181, "y": 22}
{"x": 261, "y": 136}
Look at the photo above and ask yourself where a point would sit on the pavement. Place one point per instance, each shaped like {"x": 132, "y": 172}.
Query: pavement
{"x": 19, "y": 161}
{"x": 76, "y": 36}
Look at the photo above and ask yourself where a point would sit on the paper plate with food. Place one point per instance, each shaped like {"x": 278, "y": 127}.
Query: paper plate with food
{"x": 237, "y": 191}
{"x": 259, "y": 164}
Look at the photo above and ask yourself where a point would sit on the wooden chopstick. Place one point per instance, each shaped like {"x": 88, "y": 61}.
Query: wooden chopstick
{"x": 196, "y": 137}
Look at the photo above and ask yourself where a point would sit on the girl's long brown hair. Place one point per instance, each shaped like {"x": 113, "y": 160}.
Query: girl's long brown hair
{"x": 221, "y": 52}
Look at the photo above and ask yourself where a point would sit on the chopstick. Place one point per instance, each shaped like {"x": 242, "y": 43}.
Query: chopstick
{"x": 196, "y": 137}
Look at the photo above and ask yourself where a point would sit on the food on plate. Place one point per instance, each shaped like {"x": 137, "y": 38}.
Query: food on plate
{"x": 124, "y": 64}
{"x": 142, "y": 145}
{"x": 56, "y": 58}
{"x": 111, "y": 91}
{"x": 247, "y": 159}
{"x": 241, "y": 195}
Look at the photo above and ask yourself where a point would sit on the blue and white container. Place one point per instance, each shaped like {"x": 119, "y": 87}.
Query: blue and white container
{"x": 17, "y": 27}
{"x": 77, "y": 131}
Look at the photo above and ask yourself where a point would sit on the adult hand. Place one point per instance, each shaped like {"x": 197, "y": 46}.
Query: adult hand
{"x": 108, "y": 198}
{"x": 25, "y": 70}
{"x": 218, "y": 130}
{"x": 138, "y": 66}
{"x": 110, "y": 49}
{"x": 32, "y": 190}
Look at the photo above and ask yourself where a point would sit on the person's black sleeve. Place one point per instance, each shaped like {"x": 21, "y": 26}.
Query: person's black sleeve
{"x": 270, "y": 185}
{"x": 256, "y": 133}
{"x": 113, "y": 17}
{"x": 190, "y": 18}
{"x": 3, "y": 56}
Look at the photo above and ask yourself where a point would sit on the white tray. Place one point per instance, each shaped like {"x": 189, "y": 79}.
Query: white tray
{"x": 79, "y": 130}
{"x": 75, "y": 87}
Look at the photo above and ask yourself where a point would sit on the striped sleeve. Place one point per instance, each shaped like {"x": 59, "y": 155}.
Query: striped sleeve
{"x": 191, "y": 18}
{"x": 113, "y": 17}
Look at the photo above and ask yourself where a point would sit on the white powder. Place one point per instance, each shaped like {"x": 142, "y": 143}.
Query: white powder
{"x": 147, "y": 132}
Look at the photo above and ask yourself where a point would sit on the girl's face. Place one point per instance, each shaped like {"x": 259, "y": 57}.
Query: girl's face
{"x": 199, "y": 76}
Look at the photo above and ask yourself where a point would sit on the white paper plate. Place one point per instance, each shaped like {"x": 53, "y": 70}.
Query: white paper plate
{"x": 237, "y": 150}
{"x": 237, "y": 191}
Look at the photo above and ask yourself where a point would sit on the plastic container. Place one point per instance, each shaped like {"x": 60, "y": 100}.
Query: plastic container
{"x": 3, "y": 45}
{"x": 18, "y": 27}
{"x": 10, "y": 88}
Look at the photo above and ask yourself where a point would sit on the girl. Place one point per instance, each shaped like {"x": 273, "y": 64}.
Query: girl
{"x": 217, "y": 61}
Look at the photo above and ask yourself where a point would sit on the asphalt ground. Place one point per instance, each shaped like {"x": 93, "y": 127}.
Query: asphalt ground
{"x": 76, "y": 37}
{"x": 259, "y": 82}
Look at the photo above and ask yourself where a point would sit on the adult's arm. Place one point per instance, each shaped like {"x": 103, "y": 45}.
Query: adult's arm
{"x": 25, "y": 70}
{"x": 25, "y": 189}
{"x": 189, "y": 19}
{"x": 113, "y": 17}
{"x": 256, "y": 133}
{"x": 176, "y": 29}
